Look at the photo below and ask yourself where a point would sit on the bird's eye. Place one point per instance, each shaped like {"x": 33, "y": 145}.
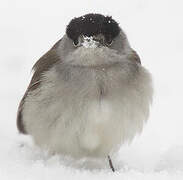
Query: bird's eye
{"x": 76, "y": 43}
{"x": 109, "y": 42}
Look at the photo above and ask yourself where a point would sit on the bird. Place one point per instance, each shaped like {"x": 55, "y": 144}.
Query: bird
{"x": 89, "y": 94}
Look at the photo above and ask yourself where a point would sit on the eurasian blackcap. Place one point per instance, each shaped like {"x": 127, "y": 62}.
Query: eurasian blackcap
{"x": 89, "y": 93}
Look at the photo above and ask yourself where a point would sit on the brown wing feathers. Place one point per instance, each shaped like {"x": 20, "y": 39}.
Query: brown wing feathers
{"x": 42, "y": 65}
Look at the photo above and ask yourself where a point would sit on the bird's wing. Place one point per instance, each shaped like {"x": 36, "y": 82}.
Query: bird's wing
{"x": 134, "y": 56}
{"x": 42, "y": 65}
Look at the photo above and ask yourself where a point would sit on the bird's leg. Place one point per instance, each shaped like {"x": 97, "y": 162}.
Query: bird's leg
{"x": 110, "y": 163}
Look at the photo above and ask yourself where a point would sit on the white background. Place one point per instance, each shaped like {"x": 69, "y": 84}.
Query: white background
{"x": 155, "y": 30}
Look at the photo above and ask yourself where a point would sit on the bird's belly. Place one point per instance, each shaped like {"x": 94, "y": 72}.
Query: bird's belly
{"x": 94, "y": 128}
{"x": 103, "y": 131}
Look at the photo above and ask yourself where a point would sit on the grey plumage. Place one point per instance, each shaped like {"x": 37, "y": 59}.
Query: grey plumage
{"x": 86, "y": 101}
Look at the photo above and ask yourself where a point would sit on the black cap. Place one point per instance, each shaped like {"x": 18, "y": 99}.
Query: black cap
{"x": 93, "y": 24}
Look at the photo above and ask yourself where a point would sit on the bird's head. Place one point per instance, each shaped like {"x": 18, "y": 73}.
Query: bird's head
{"x": 92, "y": 40}
{"x": 92, "y": 30}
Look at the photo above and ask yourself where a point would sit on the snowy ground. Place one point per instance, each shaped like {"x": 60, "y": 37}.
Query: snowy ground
{"x": 154, "y": 28}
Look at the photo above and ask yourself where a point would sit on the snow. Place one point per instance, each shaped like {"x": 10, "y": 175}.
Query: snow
{"x": 89, "y": 42}
{"x": 154, "y": 29}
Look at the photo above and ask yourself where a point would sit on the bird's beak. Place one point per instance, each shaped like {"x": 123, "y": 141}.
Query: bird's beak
{"x": 92, "y": 41}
